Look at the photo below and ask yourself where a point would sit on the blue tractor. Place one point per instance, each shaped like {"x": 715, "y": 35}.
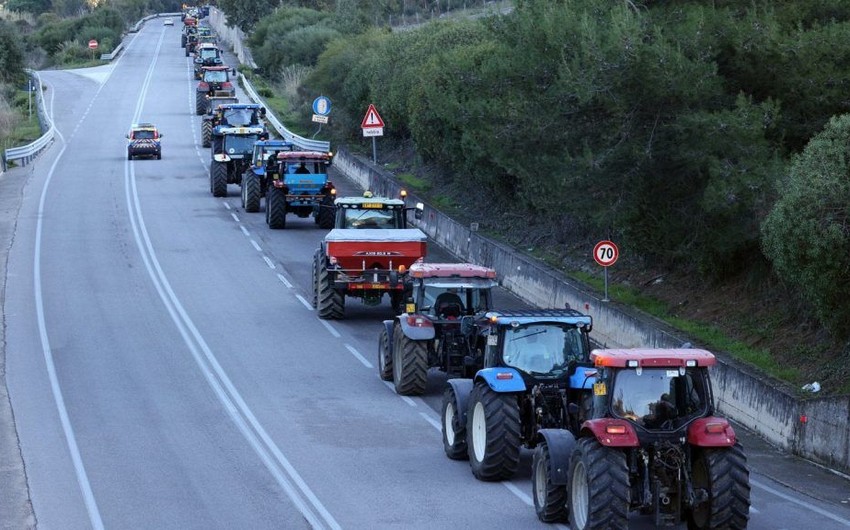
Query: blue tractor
{"x": 233, "y": 144}
{"x": 298, "y": 185}
{"x": 264, "y": 166}
{"x": 536, "y": 375}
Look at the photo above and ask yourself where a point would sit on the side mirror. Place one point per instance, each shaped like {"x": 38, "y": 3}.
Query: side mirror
{"x": 233, "y": 71}
{"x": 417, "y": 212}
{"x": 127, "y": 136}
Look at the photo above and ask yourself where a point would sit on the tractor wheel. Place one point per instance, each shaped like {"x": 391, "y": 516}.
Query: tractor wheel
{"x": 206, "y": 133}
{"x": 275, "y": 208}
{"x": 159, "y": 156}
{"x": 410, "y": 366}
{"x": 723, "y": 474}
{"x": 327, "y": 213}
{"x": 318, "y": 258}
{"x": 492, "y": 432}
{"x": 550, "y": 500}
{"x": 251, "y": 192}
{"x": 330, "y": 302}
{"x": 385, "y": 360}
{"x": 187, "y": 51}
{"x": 182, "y": 41}
{"x": 598, "y": 487}
{"x": 454, "y": 431}
{"x": 129, "y": 156}
{"x": 200, "y": 103}
{"x": 218, "y": 179}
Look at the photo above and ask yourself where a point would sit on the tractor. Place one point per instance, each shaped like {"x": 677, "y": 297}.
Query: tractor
{"x": 264, "y": 166}
{"x": 366, "y": 255}
{"x": 214, "y": 117}
{"x": 194, "y": 37}
{"x": 298, "y": 185}
{"x": 232, "y": 148}
{"x": 535, "y": 376}
{"x": 215, "y": 82}
{"x": 437, "y": 328}
{"x": 206, "y": 54}
{"x": 189, "y": 29}
{"x": 649, "y": 442}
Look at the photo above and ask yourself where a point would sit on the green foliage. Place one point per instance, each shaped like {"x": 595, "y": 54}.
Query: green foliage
{"x": 36, "y": 7}
{"x": 11, "y": 54}
{"x": 244, "y": 14}
{"x": 291, "y": 36}
{"x": 103, "y": 24}
{"x": 807, "y": 233}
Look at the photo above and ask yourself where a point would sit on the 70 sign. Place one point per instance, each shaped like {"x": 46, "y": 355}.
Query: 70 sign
{"x": 606, "y": 253}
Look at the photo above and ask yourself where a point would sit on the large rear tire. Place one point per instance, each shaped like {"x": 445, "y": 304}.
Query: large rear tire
{"x": 330, "y": 303}
{"x": 410, "y": 365}
{"x": 327, "y": 213}
{"x": 550, "y": 500}
{"x": 723, "y": 474}
{"x": 251, "y": 192}
{"x": 200, "y": 102}
{"x": 218, "y": 179}
{"x": 492, "y": 432}
{"x": 275, "y": 208}
{"x": 182, "y": 41}
{"x": 598, "y": 487}
{"x": 206, "y": 133}
{"x": 385, "y": 359}
{"x": 454, "y": 430}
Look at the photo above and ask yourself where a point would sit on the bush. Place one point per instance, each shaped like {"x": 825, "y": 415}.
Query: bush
{"x": 807, "y": 233}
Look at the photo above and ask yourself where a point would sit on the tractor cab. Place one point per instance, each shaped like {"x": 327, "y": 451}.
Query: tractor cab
{"x": 264, "y": 158}
{"x": 373, "y": 212}
{"x": 446, "y": 292}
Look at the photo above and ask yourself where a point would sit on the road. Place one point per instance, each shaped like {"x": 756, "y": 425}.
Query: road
{"x": 166, "y": 369}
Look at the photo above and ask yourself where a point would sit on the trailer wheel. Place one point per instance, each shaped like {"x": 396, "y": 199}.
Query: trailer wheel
{"x": 326, "y": 216}
{"x": 550, "y": 500}
{"x": 598, "y": 487}
{"x": 206, "y": 133}
{"x": 724, "y": 475}
{"x": 492, "y": 433}
{"x": 218, "y": 179}
{"x": 275, "y": 208}
{"x": 410, "y": 366}
{"x": 385, "y": 360}
{"x": 330, "y": 302}
{"x": 251, "y": 192}
{"x": 454, "y": 430}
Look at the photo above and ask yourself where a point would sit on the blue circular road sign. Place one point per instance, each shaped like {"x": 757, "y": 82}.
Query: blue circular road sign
{"x": 321, "y": 106}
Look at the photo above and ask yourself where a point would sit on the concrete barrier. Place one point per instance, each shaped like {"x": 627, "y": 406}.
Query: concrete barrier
{"x": 233, "y": 37}
{"x": 756, "y": 401}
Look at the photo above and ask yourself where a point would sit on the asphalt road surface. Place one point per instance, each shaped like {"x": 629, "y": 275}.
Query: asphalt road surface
{"x": 166, "y": 370}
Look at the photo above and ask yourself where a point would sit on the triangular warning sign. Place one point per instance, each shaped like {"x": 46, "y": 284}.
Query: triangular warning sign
{"x": 372, "y": 119}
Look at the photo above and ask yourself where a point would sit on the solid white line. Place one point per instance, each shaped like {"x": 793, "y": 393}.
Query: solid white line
{"x": 235, "y": 217}
{"x": 407, "y": 399}
{"x": 516, "y": 491}
{"x": 801, "y": 503}
{"x": 285, "y": 282}
{"x": 304, "y": 301}
{"x": 330, "y": 328}
{"x": 360, "y": 358}
{"x": 256, "y": 246}
{"x": 269, "y": 262}
{"x": 245, "y": 231}
{"x": 434, "y": 423}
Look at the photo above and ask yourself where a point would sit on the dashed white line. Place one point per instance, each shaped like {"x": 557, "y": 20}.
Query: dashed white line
{"x": 256, "y": 246}
{"x": 357, "y": 354}
{"x": 330, "y": 328}
{"x": 304, "y": 301}
{"x": 269, "y": 262}
{"x": 226, "y": 204}
{"x": 516, "y": 491}
{"x": 407, "y": 400}
{"x": 285, "y": 282}
{"x": 234, "y": 216}
{"x": 434, "y": 423}
{"x": 245, "y": 231}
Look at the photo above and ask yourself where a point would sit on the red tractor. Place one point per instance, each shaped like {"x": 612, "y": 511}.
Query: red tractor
{"x": 366, "y": 255}
{"x": 648, "y": 442}
{"x": 215, "y": 82}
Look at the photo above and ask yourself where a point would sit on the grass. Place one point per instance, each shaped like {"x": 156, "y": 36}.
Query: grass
{"x": 413, "y": 182}
{"x": 28, "y": 128}
{"x": 713, "y": 337}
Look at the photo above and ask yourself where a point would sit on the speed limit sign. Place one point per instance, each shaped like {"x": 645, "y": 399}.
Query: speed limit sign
{"x": 606, "y": 253}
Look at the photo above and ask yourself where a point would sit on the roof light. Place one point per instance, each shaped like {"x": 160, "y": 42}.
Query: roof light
{"x": 367, "y": 194}
{"x": 615, "y": 429}
{"x": 502, "y": 376}
{"x": 494, "y": 318}
{"x": 632, "y": 364}
{"x": 402, "y": 269}
{"x": 403, "y": 193}
{"x": 333, "y": 191}
{"x": 691, "y": 362}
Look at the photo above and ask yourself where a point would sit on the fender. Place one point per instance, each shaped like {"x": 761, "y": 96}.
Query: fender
{"x": 462, "y": 389}
{"x": 580, "y": 379}
{"x": 711, "y": 432}
{"x": 203, "y": 86}
{"x": 501, "y": 379}
{"x": 561, "y": 444}
{"x": 388, "y": 325}
{"x": 611, "y": 432}
{"x": 221, "y": 157}
{"x": 417, "y": 327}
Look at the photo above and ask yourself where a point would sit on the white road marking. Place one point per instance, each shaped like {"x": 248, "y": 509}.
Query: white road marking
{"x": 245, "y": 231}
{"x": 801, "y": 503}
{"x": 304, "y": 301}
{"x": 226, "y": 205}
{"x": 256, "y": 246}
{"x": 269, "y": 262}
{"x": 516, "y": 491}
{"x": 234, "y": 216}
{"x": 434, "y": 423}
{"x": 285, "y": 282}
{"x": 330, "y": 328}
{"x": 407, "y": 400}
{"x": 360, "y": 358}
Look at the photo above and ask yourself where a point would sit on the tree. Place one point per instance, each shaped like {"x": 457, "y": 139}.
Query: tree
{"x": 11, "y": 54}
{"x": 244, "y": 14}
{"x": 807, "y": 233}
{"x": 36, "y": 7}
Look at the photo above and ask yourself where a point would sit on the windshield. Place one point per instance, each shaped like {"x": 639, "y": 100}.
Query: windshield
{"x": 208, "y": 53}
{"x": 543, "y": 348}
{"x": 244, "y": 144}
{"x": 448, "y": 301}
{"x": 143, "y": 135}
{"x": 658, "y": 398}
{"x": 371, "y": 219}
{"x": 239, "y": 117}
{"x": 215, "y": 76}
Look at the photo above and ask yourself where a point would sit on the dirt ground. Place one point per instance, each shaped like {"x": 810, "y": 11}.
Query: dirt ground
{"x": 752, "y": 308}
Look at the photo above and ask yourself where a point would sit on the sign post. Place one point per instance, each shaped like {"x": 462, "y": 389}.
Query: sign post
{"x": 321, "y": 109}
{"x": 92, "y": 47}
{"x": 606, "y": 253}
{"x": 373, "y": 126}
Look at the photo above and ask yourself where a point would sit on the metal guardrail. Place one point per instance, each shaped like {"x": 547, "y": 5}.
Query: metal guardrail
{"x": 286, "y": 134}
{"x": 25, "y": 154}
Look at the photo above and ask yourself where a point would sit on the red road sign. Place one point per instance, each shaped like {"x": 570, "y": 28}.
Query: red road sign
{"x": 372, "y": 120}
{"x": 93, "y": 44}
{"x": 606, "y": 253}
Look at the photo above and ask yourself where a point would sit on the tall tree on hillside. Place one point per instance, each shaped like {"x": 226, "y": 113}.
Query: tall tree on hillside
{"x": 244, "y": 14}
{"x": 36, "y": 7}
